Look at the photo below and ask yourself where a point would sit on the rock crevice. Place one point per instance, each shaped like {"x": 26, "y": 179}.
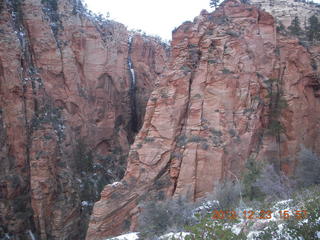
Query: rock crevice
{"x": 227, "y": 96}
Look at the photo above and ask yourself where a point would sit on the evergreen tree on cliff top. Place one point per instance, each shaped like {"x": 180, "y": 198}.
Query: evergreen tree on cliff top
{"x": 214, "y": 3}
{"x": 313, "y": 31}
{"x": 295, "y": 28}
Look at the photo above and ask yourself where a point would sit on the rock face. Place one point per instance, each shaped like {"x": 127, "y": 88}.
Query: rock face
{"x": 66, "y": 118}
{"x": 286, "y": 11}
{"x": 235, "y": 89}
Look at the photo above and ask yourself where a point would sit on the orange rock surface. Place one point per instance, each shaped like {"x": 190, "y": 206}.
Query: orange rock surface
{"x": 66, "y": 118}
{"x": 235, "y": 89}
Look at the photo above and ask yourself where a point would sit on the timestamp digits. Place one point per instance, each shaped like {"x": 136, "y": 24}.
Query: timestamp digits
{"x": 258, "y": 214}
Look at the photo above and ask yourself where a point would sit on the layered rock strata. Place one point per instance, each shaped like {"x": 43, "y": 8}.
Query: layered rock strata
{"x": 66, "y": 118}
{"x": 286, "y": 11}
{"x": 235, "y": 89}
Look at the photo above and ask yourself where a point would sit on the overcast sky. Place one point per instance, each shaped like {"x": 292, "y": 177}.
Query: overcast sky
{"x": 155, "y": 17}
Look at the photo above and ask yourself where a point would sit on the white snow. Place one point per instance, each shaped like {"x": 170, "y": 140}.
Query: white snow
{"x": 208, "y": 205}
{"x": 236, "y": 229}
{"x": 115, "y": 184}
{"x": 85, "y": 203}
{"x": 285, "y": 203}
{"x": 178, "y": 236}
{"x": 252, "y": 235}
{"x": 128, "y": 236}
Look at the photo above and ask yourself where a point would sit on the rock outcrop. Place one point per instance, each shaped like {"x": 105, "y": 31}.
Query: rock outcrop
{"x": 235, "y": 89}
{"x": 286, "y": 11}
{"x": 66, "y": 118}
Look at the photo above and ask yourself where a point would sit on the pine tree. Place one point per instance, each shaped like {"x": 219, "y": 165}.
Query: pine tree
{"x": 313, "y": 29}
{"x": 295, "y": 28}
{"x": 214, "y": 3}
{"x": 250, "y": 176}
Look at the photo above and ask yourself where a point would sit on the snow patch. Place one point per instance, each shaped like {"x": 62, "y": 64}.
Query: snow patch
{"x": 128, "y": 236}
{"x": 85, "y": 203}
{"x": 115, "y": 184}
{"x": 236, "y": 229}
{"x": 253, "y": 235}
{"x": 177, "y": 236}
{"x": 281, "y": 204}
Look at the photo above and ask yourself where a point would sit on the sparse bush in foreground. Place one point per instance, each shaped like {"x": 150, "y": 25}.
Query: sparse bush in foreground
{"x": 308, "y": 169}
{"x": 251, "y": 174}
{"x": 207, "y": 229}
{"x": 293, "y": 228}
{"x": 227, "y": 193}
{"x": 273, "y": 184}
{"x": 157, "y": 218}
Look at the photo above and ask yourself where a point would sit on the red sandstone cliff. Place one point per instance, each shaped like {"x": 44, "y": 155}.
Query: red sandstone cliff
{"x": 235, "y": 89}
{"x": 68, "y": 112}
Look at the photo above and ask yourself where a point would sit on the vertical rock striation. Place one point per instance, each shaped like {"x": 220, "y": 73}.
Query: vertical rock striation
{"x": 235, "y": 89}
{"x": 65, "y": 113}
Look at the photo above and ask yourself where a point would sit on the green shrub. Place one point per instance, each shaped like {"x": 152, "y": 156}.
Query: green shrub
{"x": 232, "y": 33}
{"x": 232, "y": 132}
{"x": 313, "y": 31}
{"x": 250, "y": 175}
{"x": 215, "y": 137}
{"x": 281, "y": 28}
{"x": 204, "y": 146}
{"x": 185, "y": 69}
{"x": 212, "y": 61}
{"x": 164, "y": 93}
{"x": 295, "y": 28}
{"x": 275, "y": 127}
{"x": 196, "y": 139}
{"x": 149, "y": 139}
{"x": 207, "y": 229}
{"x": 226, "y": 71}
{"x": 308, "y": 227}
{"x": 292, "y": 228}
{"x": 182, "y": 140}
{"x": 83, "y": 157}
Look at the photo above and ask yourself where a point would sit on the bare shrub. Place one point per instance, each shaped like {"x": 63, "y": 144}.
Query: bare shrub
{"x": 157, "y": 218}
{"x": 274, "y": 184}
{"x": 308, "y": 168}
{"x": 227, "y": 193}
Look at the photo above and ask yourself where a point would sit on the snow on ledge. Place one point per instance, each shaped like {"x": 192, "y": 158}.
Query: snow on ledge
{"x": 128, "y": 236}
{"x": 178, "y": 236}
{"x": 115, "y": 184}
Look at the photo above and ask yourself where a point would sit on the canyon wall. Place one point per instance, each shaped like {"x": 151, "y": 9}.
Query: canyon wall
{"x": 235, "y": 90}
{"x": 286, "y": 10}
{"x": 69, "y": 109}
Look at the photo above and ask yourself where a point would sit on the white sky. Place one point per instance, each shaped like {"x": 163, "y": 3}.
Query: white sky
{"x": 155, "y": 17}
